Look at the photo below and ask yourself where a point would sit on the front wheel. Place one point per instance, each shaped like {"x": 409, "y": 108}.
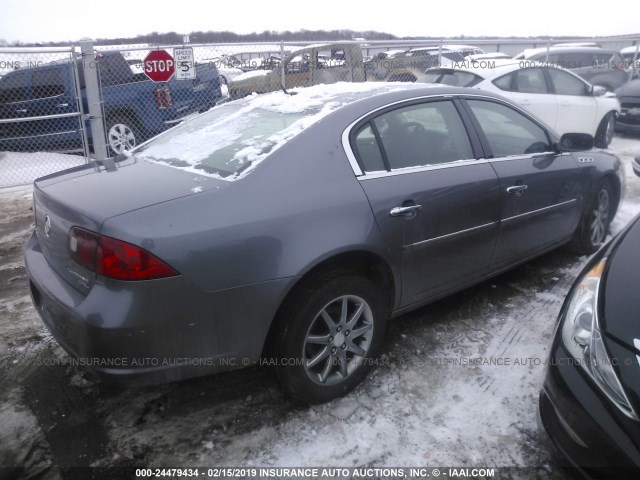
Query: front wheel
{"x": 330, "y": 336}
{"x": 594, "y": 225}
{"x": 605, "y": 132}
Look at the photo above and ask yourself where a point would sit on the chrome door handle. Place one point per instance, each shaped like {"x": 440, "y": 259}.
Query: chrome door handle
{"x": 63, "y": 105}
{"x": 517, "y": 189}
{"x": 405, "y": 211}
{"x": 22, "y": 110}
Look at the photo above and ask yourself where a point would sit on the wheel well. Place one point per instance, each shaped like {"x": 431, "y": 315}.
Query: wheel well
{"x": 365, "y": 263}
{"x": 123, "y": 112}
{"x": 617, "y": 188}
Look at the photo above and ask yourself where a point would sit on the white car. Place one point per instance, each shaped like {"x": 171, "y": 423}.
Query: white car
{"x": 465, "y": 50}
{"x": 561, "y": 99}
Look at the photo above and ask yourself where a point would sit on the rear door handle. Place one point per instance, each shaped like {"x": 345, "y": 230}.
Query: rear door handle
{"x": 517, "y": 189}
{"x": 21, "y": 110}
{"x": 63, "y": 105}
{"x": 408, "y": 211}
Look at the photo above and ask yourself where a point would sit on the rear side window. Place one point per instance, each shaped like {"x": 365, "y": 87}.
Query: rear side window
{"x": 530, "y": 80}
{"x": 607, "y": 60}
{"x": 367, "y": 150}
{"x": 504, "y": 82}
{"x": 13, "y": 87}
{"x": 566, "y": 84}
{"x": 426, "y": 134}
{"x": 47, "y": 83}
{"x": 508, "y": 131}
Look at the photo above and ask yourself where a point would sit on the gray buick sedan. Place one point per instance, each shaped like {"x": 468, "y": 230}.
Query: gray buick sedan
{"x": 292, "y": 226}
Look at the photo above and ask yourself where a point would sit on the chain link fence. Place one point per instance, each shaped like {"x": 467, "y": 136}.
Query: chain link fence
{"x": 64, "y": 107}
{"x": 39, "y": 114}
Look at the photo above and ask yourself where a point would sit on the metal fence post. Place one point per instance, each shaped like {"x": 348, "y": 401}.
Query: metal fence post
{"x": 96, "y": 119}
{"x": 634, "y": 67}
{"x": 282, "y": 72}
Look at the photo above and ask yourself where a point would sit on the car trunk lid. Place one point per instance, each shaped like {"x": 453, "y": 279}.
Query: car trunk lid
{"x": 87, "y": 196}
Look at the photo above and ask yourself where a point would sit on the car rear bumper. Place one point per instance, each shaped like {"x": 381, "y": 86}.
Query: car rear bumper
{"x": 153, "y": 331}
{"x": 580, "y": 422}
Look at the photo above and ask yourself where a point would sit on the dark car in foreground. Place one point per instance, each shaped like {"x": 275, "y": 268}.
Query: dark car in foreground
{"x": 590, "y": 400}
{"x": 291, "y": 227}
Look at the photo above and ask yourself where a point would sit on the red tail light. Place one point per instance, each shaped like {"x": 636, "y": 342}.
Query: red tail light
{"x": 114, "y": 258}
{"x": 163, "y": 98}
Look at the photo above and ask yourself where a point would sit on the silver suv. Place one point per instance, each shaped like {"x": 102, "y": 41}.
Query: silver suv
{"x": 596, "y": 65}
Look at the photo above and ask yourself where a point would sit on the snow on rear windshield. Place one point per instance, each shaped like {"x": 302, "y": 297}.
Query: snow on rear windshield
{"x": 231, "y": 139}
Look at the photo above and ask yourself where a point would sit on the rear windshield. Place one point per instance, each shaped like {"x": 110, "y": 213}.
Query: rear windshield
{"x": 234, "y": 137}
{"x": 455, "y": 78}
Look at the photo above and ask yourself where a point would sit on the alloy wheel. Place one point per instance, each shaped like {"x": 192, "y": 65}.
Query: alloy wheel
{"x": 338, "y": 340}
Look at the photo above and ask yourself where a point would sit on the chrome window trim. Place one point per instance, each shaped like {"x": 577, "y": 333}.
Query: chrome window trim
{"x": 347, "y": 131}
{"x": 529, "y": 156}
{"x": 452, "y": 235}
{"x": 540, "y": 210}
{"x": 424, "y": 168}
{"x": 346, "y": 146}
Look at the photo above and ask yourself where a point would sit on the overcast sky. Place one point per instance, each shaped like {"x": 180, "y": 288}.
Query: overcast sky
{"x": 59, "y": 20}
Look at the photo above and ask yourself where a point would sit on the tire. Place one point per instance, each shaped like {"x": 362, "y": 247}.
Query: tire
{"x": 605, "y": 131}
{"x": 123, "y": 134}
{"x": 594, "y": 224}
{"x": 322, "y": 353}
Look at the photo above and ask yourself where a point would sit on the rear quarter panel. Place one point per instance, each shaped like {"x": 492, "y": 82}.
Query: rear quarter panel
{"x": 301, "y": 205}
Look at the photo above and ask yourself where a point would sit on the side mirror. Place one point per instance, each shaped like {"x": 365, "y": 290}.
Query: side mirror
{"x": 598, "y": 90}
{"x": 576, "y": 142}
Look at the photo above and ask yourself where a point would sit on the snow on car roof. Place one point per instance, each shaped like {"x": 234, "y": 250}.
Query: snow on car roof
{"x": 230, "y": 140}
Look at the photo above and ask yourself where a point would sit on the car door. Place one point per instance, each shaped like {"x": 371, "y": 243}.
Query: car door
{"x": 436, "y": 205}
{"x": 540, "y": 188}
{"x": 528, "y": 88}
{"x": 577, "y": 108}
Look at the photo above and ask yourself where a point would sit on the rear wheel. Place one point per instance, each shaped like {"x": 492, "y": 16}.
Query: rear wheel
{"x": 594, "y": 225}
{"x": 328, "y": 335}
{"x": 123, "y": 134}
{"x": 605, "y": 132}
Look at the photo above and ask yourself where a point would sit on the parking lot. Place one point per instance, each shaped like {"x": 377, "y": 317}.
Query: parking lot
{"x": 457, "y": 385}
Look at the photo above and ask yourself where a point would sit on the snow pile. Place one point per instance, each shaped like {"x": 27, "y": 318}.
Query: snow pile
{"x": 23, "y": 168}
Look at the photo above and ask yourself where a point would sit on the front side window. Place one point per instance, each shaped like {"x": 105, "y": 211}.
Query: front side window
{"x": 566, "y": 84}
{"x": 509, "y": 132}
{"x": 425, "y": 134}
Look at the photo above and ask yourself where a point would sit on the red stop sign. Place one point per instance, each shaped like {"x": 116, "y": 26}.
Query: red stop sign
{"x": 159, "y": 65}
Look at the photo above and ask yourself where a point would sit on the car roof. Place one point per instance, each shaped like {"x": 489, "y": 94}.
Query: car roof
{"x": 534, "y": 51}
{"x": 488, "y": 69}
{"x": 630, "y": 49}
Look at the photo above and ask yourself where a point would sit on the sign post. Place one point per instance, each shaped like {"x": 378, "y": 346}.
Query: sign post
{"x": 159, "y": 66}
{"x": 185, "y": 63}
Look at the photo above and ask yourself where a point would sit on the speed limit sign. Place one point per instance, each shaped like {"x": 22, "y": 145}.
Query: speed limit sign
{"x": 185, "y": 63}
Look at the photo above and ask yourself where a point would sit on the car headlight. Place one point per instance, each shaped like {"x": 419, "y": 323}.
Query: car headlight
{"x": 582, "y": 336}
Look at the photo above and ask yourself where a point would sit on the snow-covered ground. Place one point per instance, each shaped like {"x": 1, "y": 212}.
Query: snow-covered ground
{"x": 23, "y": 168}
{"x": 458, "y": 385}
